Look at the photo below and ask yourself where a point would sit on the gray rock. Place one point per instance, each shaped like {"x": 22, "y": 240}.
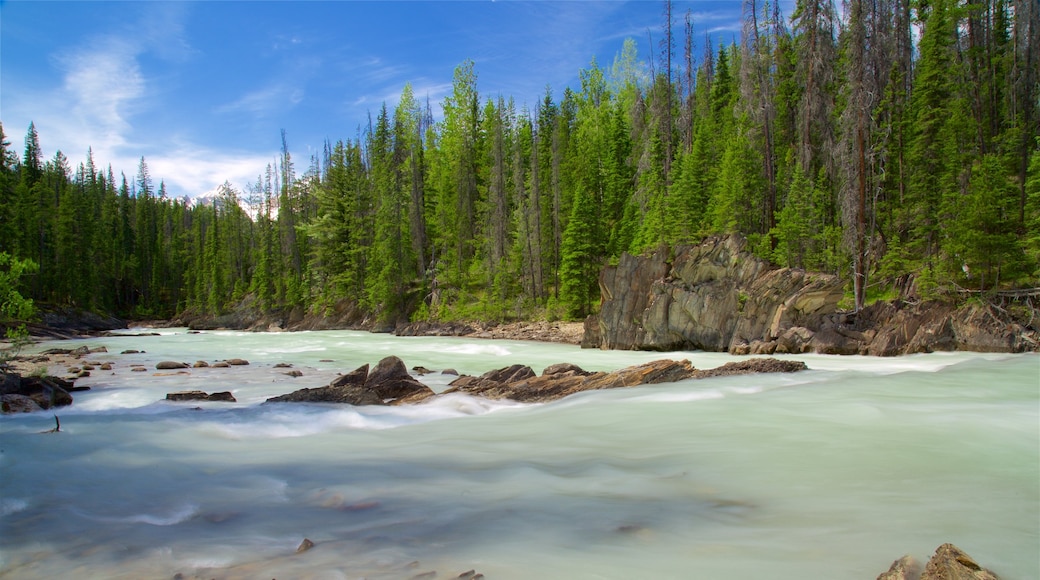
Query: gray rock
{"x": 12, "y": 403}
{"x": 714, "y": 296}
{"x": 46, "y": 392}
{"x": 224, "y": 396}
{"x": 168, "y": 365}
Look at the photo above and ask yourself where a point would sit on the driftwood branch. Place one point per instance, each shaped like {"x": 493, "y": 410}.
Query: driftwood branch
{"x": 57, "y": 426}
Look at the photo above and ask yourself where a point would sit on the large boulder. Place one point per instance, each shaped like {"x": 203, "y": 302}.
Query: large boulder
{"x": 389, "y": 382}
{"x": 46, "y": 392}
{"x": 12, "y": 403}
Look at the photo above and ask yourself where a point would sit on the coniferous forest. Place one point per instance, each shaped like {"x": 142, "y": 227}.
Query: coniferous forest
{"x": 894, "y": 142}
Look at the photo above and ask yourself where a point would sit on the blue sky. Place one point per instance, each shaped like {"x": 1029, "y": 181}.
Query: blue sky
{"x": 202, "y": 90}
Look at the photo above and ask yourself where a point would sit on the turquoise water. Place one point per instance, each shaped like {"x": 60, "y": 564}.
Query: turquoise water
{"x": 830, "y": 473}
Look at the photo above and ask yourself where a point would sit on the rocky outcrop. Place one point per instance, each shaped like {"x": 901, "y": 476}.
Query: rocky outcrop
{"x": 718, "y": 297}
{"x": 557, "y": 381}
{"x": 71, "y": 323}
{"x": 948, "y": 563}
{"x": 224, "y": 396}
{"x": 388, "y": 383}
{"x": 44, "y": 392}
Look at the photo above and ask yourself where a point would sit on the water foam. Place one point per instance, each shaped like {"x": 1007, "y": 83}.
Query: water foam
{"x": 477, "y": 349}
{"x": 11, "y": 505}
{"x": 176, "y": 516}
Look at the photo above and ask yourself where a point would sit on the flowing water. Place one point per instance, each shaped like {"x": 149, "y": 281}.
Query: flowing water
{"x": 829, "y": 473}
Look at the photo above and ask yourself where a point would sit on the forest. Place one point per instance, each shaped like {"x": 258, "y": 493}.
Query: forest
{"x": 895, "y": 143}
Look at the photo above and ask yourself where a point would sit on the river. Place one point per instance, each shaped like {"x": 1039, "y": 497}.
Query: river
{"x": 830, "y": 473}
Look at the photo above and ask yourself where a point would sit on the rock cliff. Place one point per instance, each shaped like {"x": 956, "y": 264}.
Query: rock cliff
{"x": 718, "y": 297}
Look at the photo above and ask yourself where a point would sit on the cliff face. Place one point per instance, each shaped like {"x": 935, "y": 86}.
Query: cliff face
{"x": 717, "y": 297}
{"x": 713, "y": 296}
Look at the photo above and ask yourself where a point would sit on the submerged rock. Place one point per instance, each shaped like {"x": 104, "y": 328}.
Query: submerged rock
{"x": 167, "y": 365}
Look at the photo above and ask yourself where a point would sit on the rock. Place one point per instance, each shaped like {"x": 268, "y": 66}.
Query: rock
{"x": 283, "y": 366}
{"x": 563, "y": 369}
{"x": 718, "y": 297}
{"x": 714, "y": 296}
{"x": 419, "y": 370}
{"x": 348, "y": 388}
{"x": 46, "y": 392}
{"x": 304, "y": 546}
{"x": 130, "y": 351}
{"x": 948, "y": 563}
{"x": 388, "y": 382}
{"x": 450, "y": 372}
{"x": 138, "y": 369}
{"x": 237, "y": 362}
{"x": 224, "y": 396}
{"x": 752, "y": 366}
{"x": 424, "y": 328}
{"x": 951, "y": 563}
{"x": 200, "y": 364}
{"x": 549, "y": 387}
{"x": 294, "y": 373}
{"x": 561, "y": 380}
{"x": 167, "y": 365}
{"x": 106, "y": 367}
{"x": 905, "y": 568}
{"x": 220, "y": 365}
{"x": 12, "y": 403}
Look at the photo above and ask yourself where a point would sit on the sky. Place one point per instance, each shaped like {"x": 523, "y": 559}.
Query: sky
{"x": 203, "y": 90}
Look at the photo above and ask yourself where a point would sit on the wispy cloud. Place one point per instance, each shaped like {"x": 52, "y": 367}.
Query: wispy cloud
{"x": 265, "y": 101}
{"x": 102, "y": 83}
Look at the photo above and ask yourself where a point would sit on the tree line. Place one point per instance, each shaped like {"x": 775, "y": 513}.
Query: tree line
{"x": 896, "y": 144}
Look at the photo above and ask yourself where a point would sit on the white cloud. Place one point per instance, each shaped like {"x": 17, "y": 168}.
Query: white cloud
{"x": 192, "y": 171}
